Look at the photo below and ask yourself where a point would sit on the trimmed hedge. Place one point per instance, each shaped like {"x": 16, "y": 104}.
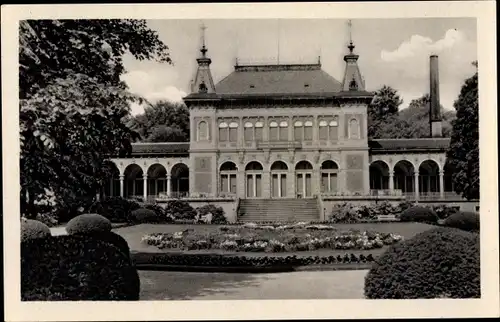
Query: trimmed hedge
{"x": 33, "y": 229}
{"x": 218, "y": 216}
{"x": 88, "y": 223}
{"x": 111, "y": 238}
{"x": 180, "y": 209}
{"x": 116, "y": 209}
{"x": 144, "y": 215}
{"x": 215, "y": 260}
{"x": 419, "y": 214}
{"x": 468, "y": 221}
{"x": 438, "y": 263}
{"x": 72, "y": 268}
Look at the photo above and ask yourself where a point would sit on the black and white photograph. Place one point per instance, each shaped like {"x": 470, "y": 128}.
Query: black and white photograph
{"x": 202, "y": 158}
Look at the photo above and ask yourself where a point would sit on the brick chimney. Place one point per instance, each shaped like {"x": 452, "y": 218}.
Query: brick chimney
{"x": 434, "y": 106}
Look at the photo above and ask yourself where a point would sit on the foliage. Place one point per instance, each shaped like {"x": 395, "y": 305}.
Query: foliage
{"x": 71, "y": 268}
{"x": 439, "y": 263}
{"x": 144, "y": 215}
{"x": 88, "y": 223}
{"x": 180, "y": 209}
{"x": 419, "y": 214}
{"x": 443, "y": 211}
{"x": 163, "y": 121}
{"x": 271, "y": 239}
{"x": 159, "y": 210}
{"x": 217, "y": 213}
{"x": 33, "y": 229}
{"x": 384, "y": 104}
{"x": 72, "y": 102}
{"x": 468, "y": 221}
{"x": 351, "y": 213}
{"x": 463, "y": 154}
{"x": 113, "y": 239}
{"x": 116, "y": 209}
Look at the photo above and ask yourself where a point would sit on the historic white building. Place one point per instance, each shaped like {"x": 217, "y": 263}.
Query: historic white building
{"x": 287, "y": 140}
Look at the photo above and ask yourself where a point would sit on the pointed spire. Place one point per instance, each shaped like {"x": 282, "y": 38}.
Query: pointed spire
{"x": 353, "y": 81}
{"x": 203, "y": 47}
{"x": 351, "y": 45}
{"x": 203, "y": 82}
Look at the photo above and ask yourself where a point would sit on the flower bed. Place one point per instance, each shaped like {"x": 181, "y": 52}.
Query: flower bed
{"x": 272, "y": 239}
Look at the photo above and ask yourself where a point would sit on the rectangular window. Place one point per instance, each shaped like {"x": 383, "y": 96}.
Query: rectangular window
{"x": 232, "y": 182}
{"x": 283, "y": 133}
{"x": 275, "y": 186}
{"x": 308, "y": 133}
{"x": 273, "y": 134}
{"x": 283, "y": 185}
{"x": 223, "y": 134}
{"x": 297, "y": 133}
{"x": 248, "y": 133}
{"x": 333, "y": 133}
{"x": 258, "y": 182}
{"x": 250, "y": 186}
{"x": 258, "y": 134}
{"x": 323, "y": 133}
{"x": 224, "y": 184}
{"x": 333, "y": 182}
{"x": 233, "y": 134}
{"x": 324, "y": 182}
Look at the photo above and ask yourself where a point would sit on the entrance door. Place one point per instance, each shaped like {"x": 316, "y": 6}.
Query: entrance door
{"x": 303, "y": 185}
{"x": 278, "y": 185}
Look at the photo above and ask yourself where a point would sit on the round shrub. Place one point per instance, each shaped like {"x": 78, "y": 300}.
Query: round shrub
{"x": 112, "y": 238}
{"x": 88, "y": 223}
{"x": 144, "y": 215}
{"x": 180, "y": 209}
{"x": 70, "y": 268}
{"x": 438, "y": 263}
{"x": 218, "y": 216}
{"x": 468, "y": 221}
{"x": 419, "y": 214}
{"x": 33, "y": 229}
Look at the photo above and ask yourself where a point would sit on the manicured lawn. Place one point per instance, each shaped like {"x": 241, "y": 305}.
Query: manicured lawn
{"x": 134, "y": 234}
{"x": 159, "y": 286}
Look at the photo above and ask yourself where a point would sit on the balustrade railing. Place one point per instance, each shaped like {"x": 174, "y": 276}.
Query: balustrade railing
{"x": 279, "y": 144}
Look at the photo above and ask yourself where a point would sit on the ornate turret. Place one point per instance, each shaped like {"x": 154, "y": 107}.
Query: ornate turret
{"x": 352, "y": 76}
{"x": 203, "y": 82}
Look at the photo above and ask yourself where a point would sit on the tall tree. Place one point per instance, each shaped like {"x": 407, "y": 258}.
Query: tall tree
{"x": 463, "y": 153}
{"x": 163, "y": 121}
{"x": 385, "y": 103}
{"x": 72, "y": 102}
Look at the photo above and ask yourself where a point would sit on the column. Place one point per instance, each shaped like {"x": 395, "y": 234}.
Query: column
{"x": 279, "y": 185}
{"x": 122, "y": 177}
{"x": 145, "y": 182}
{"x": 441, "y": 184}
{"x": 169, "y": 185}
{"x": 254, "y": 177}
{"x": 416, "y": 186}
{"x": 391, "y": 181}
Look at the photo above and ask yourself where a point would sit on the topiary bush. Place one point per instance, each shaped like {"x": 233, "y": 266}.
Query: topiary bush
{"x": 438, "y": 263}
{"x": 33, "y": 229}
{"x": 116, "y": 209}
{"x": 71, "y": 268}
{"x": 88, "y": 223}
{"x": 468, "y": 221}
{"x": 419, "y": 214}
{"x": 114, "y": 239}
{"x": 143, "y": 216}
{"x": 218, "y": 216}
{"x": 180, "y": 209}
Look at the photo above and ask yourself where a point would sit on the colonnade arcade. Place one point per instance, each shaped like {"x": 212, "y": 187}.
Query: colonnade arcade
{"x": 430, "y": 180}
{"x": 157, "y": 181}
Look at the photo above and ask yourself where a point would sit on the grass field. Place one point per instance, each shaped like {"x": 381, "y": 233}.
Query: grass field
{"x": 134, "y": 234}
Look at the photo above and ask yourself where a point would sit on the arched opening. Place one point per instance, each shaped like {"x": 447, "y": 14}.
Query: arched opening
{"x": 179, "y": 180}
{"x": 157, "y": 180}
{"x": 329, "y": 173}
{"x": 111, "y": 187}
{"x": 428, "y": 177}
{"x": 404, "y": 177}
{"x": 278, "y": 179}
{"x": 227, "y": 173}
{"x": 134, "y": 183}
{"x": 303, "y": 176}
{"x": 379, "y": 175}
{"x": 253, "y": 176}
{"x": 202, "y": 131}
{"x": 353, "y": 129}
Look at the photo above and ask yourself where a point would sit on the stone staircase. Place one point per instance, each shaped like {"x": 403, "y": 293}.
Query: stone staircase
{"x": 279, "y": 210}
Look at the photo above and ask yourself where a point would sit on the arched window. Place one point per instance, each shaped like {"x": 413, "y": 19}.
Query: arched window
{"x": 248, "y": 131}
{"x": 328, "y": 129}
{"x": 308, "y": 130}
{"x": 223, "y": 132}
{"x": 353, "y": 129}
{"x": 323, "y": 130}
{"x": 253, "y": 174}
{"x": 283, "y": 133}
{"x": 202, "y": 131}
{"x": 298, "y": 130}
{"x": 333, "y": 129}
{"x": 227, "y": 178}
{"x": 233, "y": 132}
{"x": 329, "y": 173}
{"x": 259, "y": 131}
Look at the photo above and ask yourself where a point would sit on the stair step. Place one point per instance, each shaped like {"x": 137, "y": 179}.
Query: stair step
{"x": 283, "y": 210}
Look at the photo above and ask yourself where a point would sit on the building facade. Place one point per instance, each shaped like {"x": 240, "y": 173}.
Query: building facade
{"x": 287, "y": 132}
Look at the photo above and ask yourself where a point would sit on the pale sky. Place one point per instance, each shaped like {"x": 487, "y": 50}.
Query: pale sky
{"x": 392, "y": 52}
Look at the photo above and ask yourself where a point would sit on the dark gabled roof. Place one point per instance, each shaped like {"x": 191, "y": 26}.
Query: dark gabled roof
{"x": 284, "y": 79}
{"x": 159, "y": 148}
{"x": 385, "y": 145}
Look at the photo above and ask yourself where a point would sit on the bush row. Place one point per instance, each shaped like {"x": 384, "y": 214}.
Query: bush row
{"x": 439, "y": 263}
{"x": 244, "y": 261}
